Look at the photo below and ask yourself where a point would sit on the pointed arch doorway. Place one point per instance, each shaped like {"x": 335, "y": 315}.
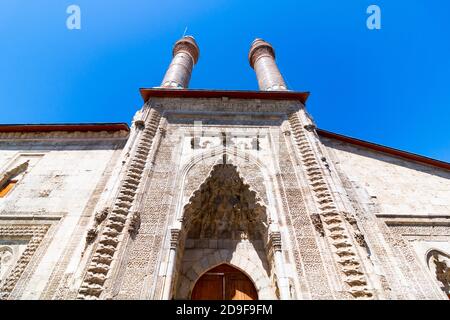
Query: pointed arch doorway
{"x": 224, "y": 282}
{"x": 224, "y": 222}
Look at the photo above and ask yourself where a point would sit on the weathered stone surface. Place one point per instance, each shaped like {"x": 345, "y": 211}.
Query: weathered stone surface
{"x": 398, "y": 186}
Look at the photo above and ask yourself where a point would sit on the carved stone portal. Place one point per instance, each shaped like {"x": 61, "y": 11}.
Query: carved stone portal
{"x": 224, "y": 207}
{"x": 225, "y": 222}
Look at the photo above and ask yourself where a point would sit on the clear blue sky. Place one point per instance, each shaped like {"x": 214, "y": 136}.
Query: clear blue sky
{"x": 388, "y": 86}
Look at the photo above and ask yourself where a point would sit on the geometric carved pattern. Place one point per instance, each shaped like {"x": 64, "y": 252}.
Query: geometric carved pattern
{"x": 103, "y": 254}
{"x": 305, "y": 251}
{"x": 35, "y": 233}
{"x": 334, "y": 225}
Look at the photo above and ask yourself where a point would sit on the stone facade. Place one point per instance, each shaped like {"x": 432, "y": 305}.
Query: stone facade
{"x": 400, "y": 187}
{"x": 205, "y": 178}
{"x": 43, "y": 218}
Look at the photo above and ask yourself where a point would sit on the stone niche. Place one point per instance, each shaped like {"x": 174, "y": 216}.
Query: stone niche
{"x": 439, "y": 265}
{"x": 224, "y": 222}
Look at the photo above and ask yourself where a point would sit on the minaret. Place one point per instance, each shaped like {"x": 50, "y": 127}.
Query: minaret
{"x": 185, "y": 56}
{"x": 262, "y": 60}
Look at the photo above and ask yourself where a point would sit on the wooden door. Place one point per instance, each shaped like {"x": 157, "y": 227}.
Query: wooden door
{"x": 224, "y": 283}
{"x": 209, "y": 287}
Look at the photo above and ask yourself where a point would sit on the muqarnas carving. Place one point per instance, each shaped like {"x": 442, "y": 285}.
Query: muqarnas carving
{"x": 225, "y": 208}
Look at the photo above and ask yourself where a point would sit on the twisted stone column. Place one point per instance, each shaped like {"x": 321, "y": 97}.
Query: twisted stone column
{"x": 185, "y": 56}
{"x": 262, "y": 60}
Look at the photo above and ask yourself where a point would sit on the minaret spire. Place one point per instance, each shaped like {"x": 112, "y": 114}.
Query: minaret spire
{"x": 262, "y": 59}
{"x": 185, "y": 56}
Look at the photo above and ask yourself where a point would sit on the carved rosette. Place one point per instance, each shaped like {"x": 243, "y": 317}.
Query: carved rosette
{"x": 357, "y": 234}
{"x": 36, "y": 233}
{"x": 135, "y": 223}
{"x": 317, "y": 223}
{"x": 333, "y": 224}
{"x": 140, "y": 124}
{"x": 114, "y": 225}
{"x": 91, "y": 235}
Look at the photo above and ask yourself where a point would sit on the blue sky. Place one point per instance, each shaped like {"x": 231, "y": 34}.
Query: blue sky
{"x": 388, "y": 86}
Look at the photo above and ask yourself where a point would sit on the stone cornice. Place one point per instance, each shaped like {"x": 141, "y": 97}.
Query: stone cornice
{"x": 284, "y": 95}
{"x": 224, "y": 106}
{"x": 64, "y": 135}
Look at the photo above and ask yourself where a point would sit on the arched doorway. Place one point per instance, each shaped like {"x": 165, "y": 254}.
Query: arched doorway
{"x": 224, "y": 283}
{"x": 225, "y": 222}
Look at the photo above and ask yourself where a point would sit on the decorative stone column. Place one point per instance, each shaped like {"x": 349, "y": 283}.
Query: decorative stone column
{"x": 174, "y": 238}
{"x": 283, "y": 283}
{"x": 185, "y": 56}
{"x": 262, "y": 60}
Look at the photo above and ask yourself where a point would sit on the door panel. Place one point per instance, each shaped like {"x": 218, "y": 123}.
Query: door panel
{"x": 208, "y": 287}
{"x": 224, "y": 283}
{"x": 239, "y": 287}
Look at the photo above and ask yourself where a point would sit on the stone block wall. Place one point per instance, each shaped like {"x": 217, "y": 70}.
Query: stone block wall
{"x": 60, "y": 188}
{"x": 403, "y": 208}
{"x": 401, "y": 187}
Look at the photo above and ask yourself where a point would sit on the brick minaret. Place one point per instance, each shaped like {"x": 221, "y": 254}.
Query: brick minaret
{"x": 262, "y": 60}
{"x": 185, "y": 56}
